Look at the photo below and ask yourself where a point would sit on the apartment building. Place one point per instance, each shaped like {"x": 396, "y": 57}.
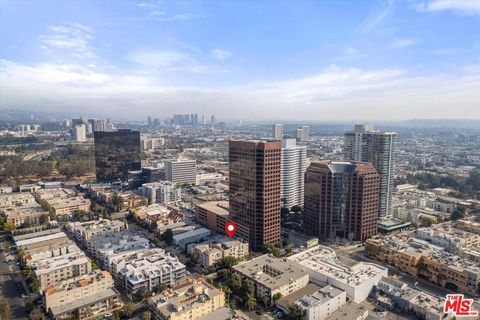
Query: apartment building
{"x": 272, "y": 275}
{"x": 53, "y": 270}
{"x": 84, "y": 231}
{"x": 324, "y": 268}
{"x": 107, "y": 246}
{"x": 77, "y": 288}
{"x": 191, "y": 300}
{"x": 163, "y": 192}
{"x": 468, "y": 225}
{"x": 148, "y": 269}
{"x": 68, "y": 205}
{"x": 210, "y": 253}
{"x": 317, "y": 303}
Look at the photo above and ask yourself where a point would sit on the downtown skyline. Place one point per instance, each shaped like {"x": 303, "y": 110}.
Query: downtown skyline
{"x": 372, "y": 60}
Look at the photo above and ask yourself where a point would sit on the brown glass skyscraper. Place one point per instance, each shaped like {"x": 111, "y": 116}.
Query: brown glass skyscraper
{"x": 116, "y": 153}
{"x": 255, "y": 169}
{"x": 341, "y": 200}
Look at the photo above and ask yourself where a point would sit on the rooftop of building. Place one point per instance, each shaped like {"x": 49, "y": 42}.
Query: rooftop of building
{"x": 286, "y": 301}
{"x": 422, "y": 248}
{"x": 96, "y": 225}
{"x": 118, "y": 240}
{"x": 218, "y": 207}
{"x": 78, "y": 303}
{"x": 36, "y": 234}
{"x": 51, "y": 264}
{"x": 68, "y": 202}
{"x": 43, "y": 238}
{"x": 147, "y": 267}
{"x": 80, "y": 281}
{"x": 185, "y": 298}
{"x": 323, "y": 259}
{"x": 271, "y": 272}
{"x": 192, "y": 233}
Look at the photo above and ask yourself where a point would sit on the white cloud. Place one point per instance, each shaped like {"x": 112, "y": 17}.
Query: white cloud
{"x": 465, "y": 7}
{"x": 335, "y": 93}
{"x": 401, "y": 43}
{"x": 171, "y": 60}
{"x": 73, "y": 38}
{"x": 377, "y": 16}
{"x": 220, "y": 54}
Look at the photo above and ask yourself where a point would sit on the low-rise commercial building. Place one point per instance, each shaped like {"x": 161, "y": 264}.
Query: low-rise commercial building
{"x": 272, "y": 275}
{"x": 420, "y": 258}
{"x": 159, "y": 214}
{"x": 324, "y": 269}
{"x": 191, "y": 300}
{"x": 213, "y": 215}
{"x": 182, "y": 239}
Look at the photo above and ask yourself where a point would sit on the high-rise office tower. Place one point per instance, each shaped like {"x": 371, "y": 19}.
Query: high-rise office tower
{"x": 79, "y": 132}
{"x": 303, "y": 133}
{"x": 277, "y": 131}
{"x": 212, "y": 120}
{"x": 255, "y": 170}
{"x": 203, "y": 120}
{"x": 378, "y": 148}
{"x": 341, "y": 200}
{"x": 294, "y": 165}
{"x": 116, "y": 153}
{"x": 149, "y": 121}
{"x": 181, "y": 171}
{"x": 156, "y": 122}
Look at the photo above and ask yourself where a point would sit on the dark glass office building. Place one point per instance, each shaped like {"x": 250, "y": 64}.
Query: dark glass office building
{"x": 116, "y": 153}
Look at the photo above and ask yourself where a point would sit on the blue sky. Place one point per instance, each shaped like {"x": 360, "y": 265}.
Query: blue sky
{"x": 292, "y": 60}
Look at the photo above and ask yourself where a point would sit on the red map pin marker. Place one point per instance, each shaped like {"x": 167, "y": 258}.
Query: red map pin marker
{"x": 231, "y": 228}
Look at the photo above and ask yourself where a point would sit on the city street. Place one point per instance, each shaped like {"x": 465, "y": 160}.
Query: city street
{"x": 11, "y": 288}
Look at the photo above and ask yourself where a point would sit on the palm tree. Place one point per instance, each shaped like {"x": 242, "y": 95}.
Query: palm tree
{"x": 5, "y": 312}
{"x": 251, "y": 302}
{"x": 227, "y": 292}
{"x": 146, "y": 315}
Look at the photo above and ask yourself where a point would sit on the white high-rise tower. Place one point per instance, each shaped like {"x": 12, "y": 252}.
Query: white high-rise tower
{"x": 294, "y": 165}
{"x": 367, "y": 145}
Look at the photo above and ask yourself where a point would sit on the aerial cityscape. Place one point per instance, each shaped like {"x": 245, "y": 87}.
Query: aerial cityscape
{"x": 234, "y": 160}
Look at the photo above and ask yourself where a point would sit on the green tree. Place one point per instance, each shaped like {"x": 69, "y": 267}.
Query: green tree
{"x": 236, "y": 282}
{"x": 425, "y": 221}
{"x": 194, "y": 256}
{"x": 117, "y": 202}
{"x": 251, "y": 302}
{"x": 276, "y": 296}
{"x": 36, "y": 314}
{"x": 146, "y": 315}
{"x": 458, "y": 213}
{"x": 129, "y": 309}
{"x": 167, "y": 236}
{"x": 9, "y": 226}
{"x": 5, "y": 312}
{"x": 159, "y": 288}
{"x": 227, "y": 292}
{"x": 295, "y": 312}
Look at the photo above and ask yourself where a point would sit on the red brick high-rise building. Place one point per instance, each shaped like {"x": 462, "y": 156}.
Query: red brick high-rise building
{"x": 255, "y": 172}
{"x": 341, "y": 200}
